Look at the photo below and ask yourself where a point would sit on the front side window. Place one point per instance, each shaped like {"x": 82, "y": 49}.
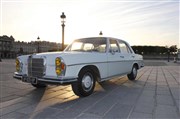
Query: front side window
{"x": 88, "y": 45}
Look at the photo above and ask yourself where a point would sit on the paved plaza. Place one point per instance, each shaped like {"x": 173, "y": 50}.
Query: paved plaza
{"x": 154, "y": 95}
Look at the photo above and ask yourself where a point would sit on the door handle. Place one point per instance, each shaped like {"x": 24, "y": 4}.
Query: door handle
{"x": 132, "y": 56}
{"x": 121, "y": 56}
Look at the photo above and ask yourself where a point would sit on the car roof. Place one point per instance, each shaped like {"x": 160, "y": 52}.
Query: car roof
{"x": 103, "y": 37}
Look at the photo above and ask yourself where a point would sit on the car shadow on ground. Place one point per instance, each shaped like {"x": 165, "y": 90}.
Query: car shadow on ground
{"x": 60, "y": 100}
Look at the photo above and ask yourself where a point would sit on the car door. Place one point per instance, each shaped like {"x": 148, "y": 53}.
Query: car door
{"x": 115, "y": 59}
{"x": 127, "y": 55}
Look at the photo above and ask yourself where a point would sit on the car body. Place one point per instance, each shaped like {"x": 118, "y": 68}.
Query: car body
{"x": 81, "y": 64}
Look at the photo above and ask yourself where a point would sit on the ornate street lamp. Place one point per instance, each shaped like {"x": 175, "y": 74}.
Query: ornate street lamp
{"x": 38, "y": 49}
{"x": 100, "y": 33}
{"x": 63, "y": 17}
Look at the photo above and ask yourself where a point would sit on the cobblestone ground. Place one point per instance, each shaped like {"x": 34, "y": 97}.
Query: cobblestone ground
{"x": 155, "y": 94}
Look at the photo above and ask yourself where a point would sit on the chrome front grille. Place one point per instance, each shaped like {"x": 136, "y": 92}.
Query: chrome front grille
{"x": 35, "y": 67}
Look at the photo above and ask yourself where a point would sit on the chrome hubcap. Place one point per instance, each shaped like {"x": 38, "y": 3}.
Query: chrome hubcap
{"x": 87, "y": 82}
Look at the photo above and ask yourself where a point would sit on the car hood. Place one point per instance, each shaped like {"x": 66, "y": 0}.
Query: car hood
{"x": 73, "y": 58}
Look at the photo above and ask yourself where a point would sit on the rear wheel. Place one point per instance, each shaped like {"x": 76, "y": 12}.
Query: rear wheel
{"x": 85, "y": 84}
{"x": 133, "y": 74}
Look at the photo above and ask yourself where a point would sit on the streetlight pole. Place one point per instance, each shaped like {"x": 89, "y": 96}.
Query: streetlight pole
{"x": 168, "y": 54}
{"x": 63, "y": 17}
{"x": 38, "y": 50}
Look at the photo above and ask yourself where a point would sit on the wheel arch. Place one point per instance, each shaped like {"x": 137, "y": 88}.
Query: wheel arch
{"x": 136, "y": 64}
{"x": 94, "y": 69}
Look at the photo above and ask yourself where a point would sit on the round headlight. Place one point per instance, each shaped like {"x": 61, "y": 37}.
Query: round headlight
{"x": 58, "y": 61}
{"x": 58, "y": 70}
{"x": 17, "y": 65}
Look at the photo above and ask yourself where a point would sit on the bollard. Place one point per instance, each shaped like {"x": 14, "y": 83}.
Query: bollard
{"x": 174, "y": 59}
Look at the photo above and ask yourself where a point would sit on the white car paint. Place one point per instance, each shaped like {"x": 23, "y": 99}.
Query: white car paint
{"x": 109, "y": 64}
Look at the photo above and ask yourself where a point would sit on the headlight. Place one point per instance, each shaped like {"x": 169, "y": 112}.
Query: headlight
{"x": 60, "y": 66}
{"x": 19, "y": 65}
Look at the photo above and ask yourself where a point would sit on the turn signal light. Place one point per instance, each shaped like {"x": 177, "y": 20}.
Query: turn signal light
{"x": 58, "y": 71}
{"x": 62, "y": 66}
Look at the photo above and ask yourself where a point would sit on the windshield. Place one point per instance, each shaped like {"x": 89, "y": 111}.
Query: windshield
{"x": 88, "y": 45}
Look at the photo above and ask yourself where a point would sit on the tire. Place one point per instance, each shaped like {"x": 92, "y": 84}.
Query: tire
{"x": 85, "y": 84}
{"x": 133, "y": 74}
{"x": 39, "y": 85}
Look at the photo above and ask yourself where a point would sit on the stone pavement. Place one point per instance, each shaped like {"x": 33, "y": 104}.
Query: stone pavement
{"x": 161, "y": 63}
{"x": 154, "y": 95}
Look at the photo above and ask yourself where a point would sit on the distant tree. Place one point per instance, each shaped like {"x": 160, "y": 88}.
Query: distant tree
{"x": 173, "y": 49}
{"x": 150, "y": 49}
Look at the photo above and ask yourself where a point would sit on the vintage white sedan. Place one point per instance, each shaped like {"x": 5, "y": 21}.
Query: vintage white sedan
{"x": 81, "y": 64}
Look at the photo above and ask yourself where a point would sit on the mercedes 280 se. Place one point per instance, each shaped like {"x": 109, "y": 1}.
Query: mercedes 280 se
{"x": 81, "y": 64}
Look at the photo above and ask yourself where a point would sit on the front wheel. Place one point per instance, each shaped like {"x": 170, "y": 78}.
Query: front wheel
{"x": 85, "y": 84}
{"x": 133, "y": 74}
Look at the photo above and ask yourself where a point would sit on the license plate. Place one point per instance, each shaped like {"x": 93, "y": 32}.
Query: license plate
{"x": 26, "y": 79}
{"x": 34, "y": 80}
{"x": 29, "y": 80}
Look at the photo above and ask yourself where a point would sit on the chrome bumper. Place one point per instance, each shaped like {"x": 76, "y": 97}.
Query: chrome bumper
{"x": 46, "y": 80}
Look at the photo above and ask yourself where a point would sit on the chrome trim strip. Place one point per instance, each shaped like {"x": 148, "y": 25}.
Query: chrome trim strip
{"x": 103, "y": 62}
{"x": 17, "y": 76}
{"x": 113, "y": 77}
{"x": 58, "y": 80}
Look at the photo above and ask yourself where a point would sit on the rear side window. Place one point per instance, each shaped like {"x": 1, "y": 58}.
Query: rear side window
{"x": 114, "y": 45}
{"x": 124, "y": 48}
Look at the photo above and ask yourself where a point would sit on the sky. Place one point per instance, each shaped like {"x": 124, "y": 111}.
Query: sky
{"x": 139, "y": 22}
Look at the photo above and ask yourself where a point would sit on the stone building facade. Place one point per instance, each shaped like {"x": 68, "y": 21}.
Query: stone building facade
{"x": 9, "y": 48}
{"x": 6, "y": 46}
{"x": 27, "y": 48}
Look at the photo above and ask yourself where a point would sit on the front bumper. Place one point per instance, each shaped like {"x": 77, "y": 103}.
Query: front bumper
{"x": 45, "y": 79}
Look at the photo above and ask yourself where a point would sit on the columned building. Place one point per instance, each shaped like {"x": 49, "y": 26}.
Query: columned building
{"x": 9, "y": 48}
{"x": 6, "y": 46}
{"x": 21, "y": 48}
